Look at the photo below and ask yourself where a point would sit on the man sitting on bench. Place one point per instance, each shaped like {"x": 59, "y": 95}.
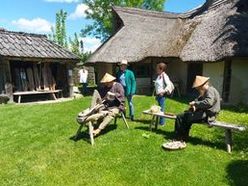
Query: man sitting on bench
{"x": 204, "y": 109}
{"x": 110, "y": 100}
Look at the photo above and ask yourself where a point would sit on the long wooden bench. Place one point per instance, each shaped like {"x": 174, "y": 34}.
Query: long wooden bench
{"x": 227, "y": 126}
{"x": 26, "y": 93}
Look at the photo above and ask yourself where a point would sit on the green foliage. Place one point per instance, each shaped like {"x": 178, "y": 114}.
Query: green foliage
{"x": 75, "y": 45}
{"x": 101, "y": 14}
{"x": 59, "y": 32}
{"x": 36, "y": 149}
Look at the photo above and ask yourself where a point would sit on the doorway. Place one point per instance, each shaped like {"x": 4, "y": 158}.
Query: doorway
{"x": 194, "y": 69}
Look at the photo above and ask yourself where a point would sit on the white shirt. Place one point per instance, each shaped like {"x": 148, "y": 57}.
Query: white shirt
{"x": 162, "y": 83}
{"x": 83, "y": 76}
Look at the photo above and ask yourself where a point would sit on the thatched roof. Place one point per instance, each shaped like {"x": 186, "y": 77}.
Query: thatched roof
{"x": 212, "y": 32}
{"x": 35, "y": 46}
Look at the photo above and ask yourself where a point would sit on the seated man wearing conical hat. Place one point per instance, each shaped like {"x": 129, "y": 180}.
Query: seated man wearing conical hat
{"x": 113, "y": 95}
{"x": 205, "y": 108}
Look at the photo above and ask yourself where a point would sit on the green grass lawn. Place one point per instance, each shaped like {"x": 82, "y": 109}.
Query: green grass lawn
{"x": 36, "y": 149}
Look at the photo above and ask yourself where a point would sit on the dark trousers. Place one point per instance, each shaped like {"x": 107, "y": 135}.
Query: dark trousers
{"x": 84, "y": 88}
{"x": 184, "y": 122}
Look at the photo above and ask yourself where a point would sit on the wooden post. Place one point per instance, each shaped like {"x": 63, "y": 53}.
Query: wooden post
{"x": 8, "y": 80}
{"x": 70, "y": 79}
{"x": 156, "y": 123}
{"x": 152, "y": 121}
{"x": 91, "y": 128}
{"x": 124, "y": 119}
{"x": 228, "y": 140}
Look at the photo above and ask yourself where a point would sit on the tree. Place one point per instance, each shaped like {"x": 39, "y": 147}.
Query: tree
{"x": 75, "y": 44}
{"x": 59, "y": 32}
{"x": 77, "y": 47}
{"x": 100, "y": 12}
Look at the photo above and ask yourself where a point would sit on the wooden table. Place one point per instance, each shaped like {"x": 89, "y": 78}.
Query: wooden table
{"x": 25, "y": 93}
{"x": 156, "y": 116}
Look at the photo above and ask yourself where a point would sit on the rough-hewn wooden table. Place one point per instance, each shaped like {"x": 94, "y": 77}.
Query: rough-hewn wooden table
{"x": 26, "y": 93}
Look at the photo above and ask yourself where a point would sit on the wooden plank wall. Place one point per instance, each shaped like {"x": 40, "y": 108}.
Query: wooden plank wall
{"x": 5, "y": 79}
{"x": 2, "y": 78}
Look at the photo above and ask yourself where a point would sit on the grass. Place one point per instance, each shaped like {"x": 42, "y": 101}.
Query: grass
{"x": 36, "y": 149}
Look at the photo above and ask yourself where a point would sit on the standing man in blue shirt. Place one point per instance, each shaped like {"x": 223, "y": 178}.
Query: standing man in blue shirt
{"x": 127, "y": 79}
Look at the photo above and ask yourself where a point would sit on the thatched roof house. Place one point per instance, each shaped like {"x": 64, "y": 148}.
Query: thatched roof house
{"x": 209, "y": 33}
{"x": 30, "y": 64}
{"x": 210, "y": 40}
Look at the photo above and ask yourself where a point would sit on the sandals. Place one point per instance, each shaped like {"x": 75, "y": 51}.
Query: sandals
{"x": 174, "y": 145}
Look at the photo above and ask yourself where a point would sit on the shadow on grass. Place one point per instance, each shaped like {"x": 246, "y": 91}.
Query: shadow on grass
{"x": 84, "y": 135}
{"x": 143, "y": 121}
{"x": 237, "y": 172}
{"x": 184, "y": 100}
{"x": 236, "y": 109}
{"x": 192, "y": 140}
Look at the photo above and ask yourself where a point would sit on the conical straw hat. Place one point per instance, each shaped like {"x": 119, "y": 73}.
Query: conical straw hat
{"x": 107, "y": 78}
{"x": 199, "y": 81}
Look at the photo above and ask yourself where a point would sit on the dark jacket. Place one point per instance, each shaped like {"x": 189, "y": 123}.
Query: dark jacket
{"x": 130, "y": 88}
{"x": 119, "y": 100}
{"x": 209, "y": 102}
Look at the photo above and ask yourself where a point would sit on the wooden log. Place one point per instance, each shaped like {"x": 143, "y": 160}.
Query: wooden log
{"x": 2, "y": 80}
{"x": 31, "y": 84}
{"x": 156, "y": 122}
{"x": 228, "y": 140}
{"x": 36, "y": 77}
{"x": 7, "y": 86}
{"x": 124, "y": 119}
{"x": 152, "y": 122}
{"x": 45, "y": 76}
{"x": 91, "y": 128}
{"x": 70, "y": 80}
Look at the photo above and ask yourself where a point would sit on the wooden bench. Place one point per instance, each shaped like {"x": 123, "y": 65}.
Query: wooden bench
{"x": 227, "y": 126}
{"x": 27, "y": 93}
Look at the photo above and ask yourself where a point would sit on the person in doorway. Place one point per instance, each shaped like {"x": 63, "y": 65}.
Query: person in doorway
{"x": 205, "y": 108}
{"x": 83, "y": 79}
{"x": 163, "y": 87}
{"x": 127, "y": 79}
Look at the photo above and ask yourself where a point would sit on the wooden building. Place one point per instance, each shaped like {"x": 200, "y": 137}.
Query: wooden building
{"x": 211, "y": 40}
{"x": 32, "y": 65}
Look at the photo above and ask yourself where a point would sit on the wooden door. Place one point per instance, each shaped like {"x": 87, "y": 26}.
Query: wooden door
{"x": 194, "y": 69}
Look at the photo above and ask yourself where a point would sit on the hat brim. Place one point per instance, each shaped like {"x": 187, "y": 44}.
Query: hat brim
{"x": 107, "y": 81}
{"x": 201, "y": 84}
{"x": 123, "y": 64}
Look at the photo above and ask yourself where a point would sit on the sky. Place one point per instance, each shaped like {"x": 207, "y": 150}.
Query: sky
{"x": 37, "y": 16}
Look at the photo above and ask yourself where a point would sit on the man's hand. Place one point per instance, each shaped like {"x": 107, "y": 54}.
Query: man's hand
{"x": 110, "y": 95}
{"x": 192, "y": 106}
{"x": 192, "y": 103}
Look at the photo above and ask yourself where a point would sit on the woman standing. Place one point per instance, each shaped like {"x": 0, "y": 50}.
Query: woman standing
{"x": 163, "y": 87}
